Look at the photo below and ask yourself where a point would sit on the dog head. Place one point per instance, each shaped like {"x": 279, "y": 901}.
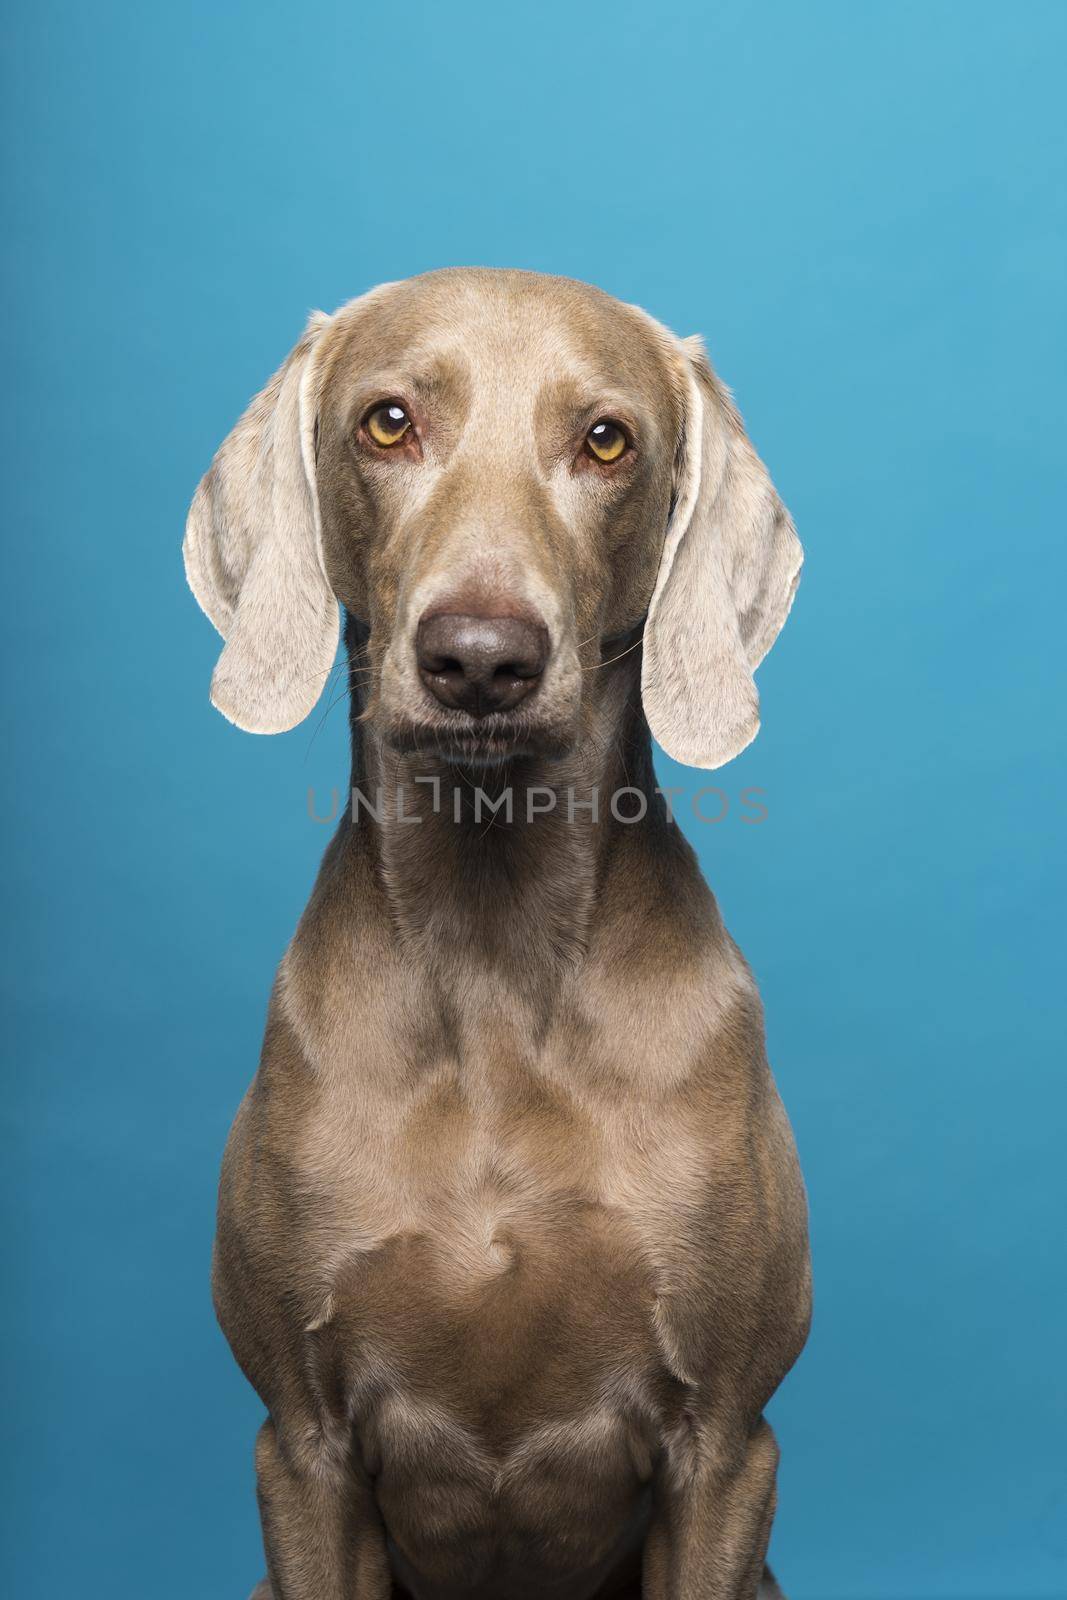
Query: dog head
{"x": 504, "y": 477}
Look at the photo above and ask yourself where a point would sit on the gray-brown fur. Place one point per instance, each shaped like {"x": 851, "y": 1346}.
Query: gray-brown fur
{"x": 512, "y": 1240}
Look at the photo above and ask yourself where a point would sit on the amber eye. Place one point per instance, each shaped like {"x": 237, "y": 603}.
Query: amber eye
{"x": 605, "y": 440}
{"x": 388, "y": 424}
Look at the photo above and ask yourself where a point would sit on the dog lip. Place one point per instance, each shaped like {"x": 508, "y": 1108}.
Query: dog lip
{"x": 486, "y": 740}
{"x": 472, "y": 733}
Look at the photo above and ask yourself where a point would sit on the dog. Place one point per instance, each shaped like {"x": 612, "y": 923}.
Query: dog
{"x": 512, "y": 1239}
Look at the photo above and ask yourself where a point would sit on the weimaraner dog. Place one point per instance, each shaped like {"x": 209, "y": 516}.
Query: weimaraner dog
{"x": 512, "y": 1240}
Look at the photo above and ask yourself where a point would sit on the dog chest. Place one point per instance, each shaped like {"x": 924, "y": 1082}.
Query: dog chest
{"x": 477, "y": 1275}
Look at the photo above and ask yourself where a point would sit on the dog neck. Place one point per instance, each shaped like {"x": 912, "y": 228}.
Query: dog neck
{"x": 497, "y": 871}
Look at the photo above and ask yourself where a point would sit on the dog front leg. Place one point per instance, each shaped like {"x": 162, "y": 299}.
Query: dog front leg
{"x": 322, "y": 1533}
{"x": 711, "y": 1522}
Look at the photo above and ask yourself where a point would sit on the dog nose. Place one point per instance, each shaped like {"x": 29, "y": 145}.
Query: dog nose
{"x": 480, "y": 664}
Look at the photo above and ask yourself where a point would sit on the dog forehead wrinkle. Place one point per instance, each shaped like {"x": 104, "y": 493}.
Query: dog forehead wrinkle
{"x": 508, "y": 409}
{"x": 509, "y": 360}
{"x": 526, "y": 313}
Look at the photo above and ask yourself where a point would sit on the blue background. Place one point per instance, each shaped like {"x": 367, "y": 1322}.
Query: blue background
{"x": 862, "y": 207}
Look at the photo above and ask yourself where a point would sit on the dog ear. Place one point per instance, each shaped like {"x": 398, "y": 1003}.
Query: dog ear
{"x": 729, "y": 570}
{"x": 253, "y": 554}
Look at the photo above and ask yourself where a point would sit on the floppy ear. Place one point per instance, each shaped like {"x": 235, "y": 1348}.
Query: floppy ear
{"x": 730, "y": 567}
{"x": 253, "y": 554}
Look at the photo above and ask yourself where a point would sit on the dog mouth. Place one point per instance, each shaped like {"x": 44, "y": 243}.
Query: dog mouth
{"x": 492, "y": 740}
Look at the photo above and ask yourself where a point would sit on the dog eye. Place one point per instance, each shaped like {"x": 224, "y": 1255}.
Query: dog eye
{"x": 387, "y": 424}
{"x": 605, "y": 440}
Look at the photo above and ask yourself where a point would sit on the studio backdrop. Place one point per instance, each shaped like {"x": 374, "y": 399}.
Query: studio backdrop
{"x": 862, "y": 210}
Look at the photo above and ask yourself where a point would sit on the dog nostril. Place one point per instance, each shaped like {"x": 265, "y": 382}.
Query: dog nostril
{"x": 480, "y": 664}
